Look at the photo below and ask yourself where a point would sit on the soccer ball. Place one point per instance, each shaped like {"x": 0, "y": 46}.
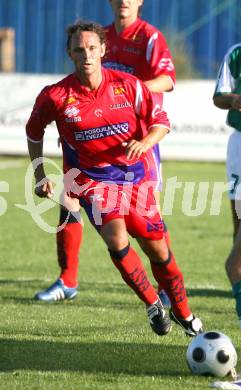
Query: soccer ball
{"x": 211, "y": 353}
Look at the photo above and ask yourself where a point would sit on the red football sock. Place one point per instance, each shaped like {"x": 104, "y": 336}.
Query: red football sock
{"x": 168, "y": 242}
{"x": 68, "y": 244}
{"x": 169, "y": 276}
{"x": 132, "y": 271}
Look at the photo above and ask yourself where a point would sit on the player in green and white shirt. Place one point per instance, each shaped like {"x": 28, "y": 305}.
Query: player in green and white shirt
{"x": 227, "y": 96}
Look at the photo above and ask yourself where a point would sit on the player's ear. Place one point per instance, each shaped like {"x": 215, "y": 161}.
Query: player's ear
{"x": 68, "y": 48}
{"x": 103, "y": 49}
{"x": 69, "y": 54}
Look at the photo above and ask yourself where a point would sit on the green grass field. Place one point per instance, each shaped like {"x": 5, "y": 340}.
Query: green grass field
{"x": 102, "y": 340}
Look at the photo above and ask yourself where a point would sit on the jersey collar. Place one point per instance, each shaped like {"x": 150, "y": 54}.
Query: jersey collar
{"x": 128, "y": 30}
{"x": 95, "y": 92}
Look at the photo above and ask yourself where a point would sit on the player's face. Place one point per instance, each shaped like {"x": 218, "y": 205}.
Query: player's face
{"x": 126, "y": 8}
{"x": 86, "y": 52}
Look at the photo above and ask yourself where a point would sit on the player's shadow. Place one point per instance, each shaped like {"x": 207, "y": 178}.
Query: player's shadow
{"x": 98, "y": 357}
{"x": 97, "y": 288}
{"x": 84, "y": 286}
{"x": 28, "y": 282}
{"x": 209, "y": 293}
{"x": 11, "y": 292}
{"x": 115, "y": 287}
{"x": 120, "y": 287}
{"x": 107, "y": 287}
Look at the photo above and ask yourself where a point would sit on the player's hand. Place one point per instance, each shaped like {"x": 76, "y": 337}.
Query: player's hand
{"x": 236, "y": 102}
{"x": 134, "y": 149}
{"x": 44, "y": 188}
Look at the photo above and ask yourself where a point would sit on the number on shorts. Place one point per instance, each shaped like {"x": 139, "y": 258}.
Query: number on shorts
{"x": 235, "y": 183}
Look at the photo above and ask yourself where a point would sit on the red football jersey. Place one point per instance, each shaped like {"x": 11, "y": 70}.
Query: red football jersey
{"x": 93, "y": 125}
{"x": 139, "y": 49}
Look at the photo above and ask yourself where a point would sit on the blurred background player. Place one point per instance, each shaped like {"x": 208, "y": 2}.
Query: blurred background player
{"x": 136, "y": 47}
{"x": 102, "y": 160}
{"x": 227, "y": 96}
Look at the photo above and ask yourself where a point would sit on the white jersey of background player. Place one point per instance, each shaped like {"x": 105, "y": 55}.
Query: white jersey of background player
{"x": 227, "y": 96}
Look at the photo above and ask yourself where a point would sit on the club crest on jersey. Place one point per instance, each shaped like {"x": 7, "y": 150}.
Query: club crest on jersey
{"x": 70, "y": 100}
{"x": 119, "y": 91}
{"x": 138, "y": 38}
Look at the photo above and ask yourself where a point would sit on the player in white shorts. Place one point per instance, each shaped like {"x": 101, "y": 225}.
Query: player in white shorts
{"x": 227, "y": 96}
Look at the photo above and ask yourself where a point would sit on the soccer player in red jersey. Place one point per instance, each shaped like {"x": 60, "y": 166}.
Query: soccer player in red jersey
{"x": 136, "y": 47}
{"x": 106, "y": 156}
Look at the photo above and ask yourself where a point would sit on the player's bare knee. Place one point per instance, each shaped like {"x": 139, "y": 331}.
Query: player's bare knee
{"x": 116, "y": 242}
{"x": 115, "y": 235}
{"x": 157, "y": 251}
{"x": 115, "y": 239}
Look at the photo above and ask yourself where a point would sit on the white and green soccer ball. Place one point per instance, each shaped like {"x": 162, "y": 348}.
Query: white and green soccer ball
{"x": 211, "y": 353}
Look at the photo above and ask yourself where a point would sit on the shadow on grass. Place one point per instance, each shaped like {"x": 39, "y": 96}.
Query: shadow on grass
{"x": 39, "y": 284}
{"x": 26, "y": 282}
{"x": 113, "y": 287}
{"x": 103, "y": 357}
{"x": 209, "y": 293}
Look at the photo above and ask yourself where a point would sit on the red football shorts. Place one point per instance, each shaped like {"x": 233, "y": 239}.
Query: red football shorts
{"x": 135, "y": 204}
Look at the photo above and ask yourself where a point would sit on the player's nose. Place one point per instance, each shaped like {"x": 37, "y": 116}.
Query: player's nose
{"x": 85, "y": 54}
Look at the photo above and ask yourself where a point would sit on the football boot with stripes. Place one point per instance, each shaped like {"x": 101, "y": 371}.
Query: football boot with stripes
{"x": 158, "y": 319}
{"x": 57, "y": 292}
{"x": 192, "y": 328}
